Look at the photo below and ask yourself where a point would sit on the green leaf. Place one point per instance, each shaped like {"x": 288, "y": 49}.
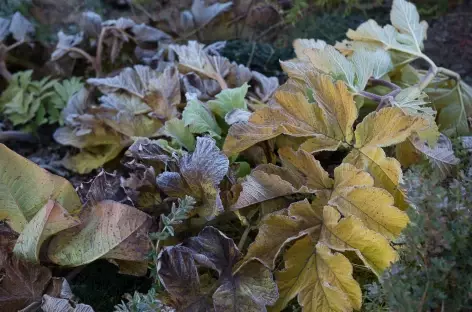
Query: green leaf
{"x": 176, "y": 129}
{"x": 228, "y": 100}
{"x": 199, "y": 119}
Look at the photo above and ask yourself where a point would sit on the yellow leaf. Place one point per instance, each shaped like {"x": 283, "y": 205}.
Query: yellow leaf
{"x": 337, "y": 101}
{"x": 387, "y": 127}
{"x": 386, "y": 171}
{"x": 317, "y": 177}
{"x": 309, "y": 270}
{"x": 25, "y": 188}
{"x": 322, "y": 280}
{"x": 326, "y": 123}
{"x": 50, "y": 220}
{"x": 351, "y": 234}
{"x": 372, "y": 205}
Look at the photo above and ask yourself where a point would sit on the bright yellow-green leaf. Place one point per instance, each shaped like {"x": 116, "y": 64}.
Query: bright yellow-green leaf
{"x": 25, "y": 188}
{"x": 176, "y": 129}
{"x": 199, "y": 119}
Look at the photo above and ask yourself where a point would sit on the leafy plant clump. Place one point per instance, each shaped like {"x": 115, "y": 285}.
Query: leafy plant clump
{"x": 29, "y": 103}
{"x": 235, "y": 193}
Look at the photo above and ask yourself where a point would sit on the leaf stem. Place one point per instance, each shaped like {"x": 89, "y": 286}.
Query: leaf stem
{"x": 385, "y": 83}
{"x": 221, "y": 81}
{"x": 244, "y": 237}
{"x": 98, "y": 56}
{"x": 14, "y": 45}
{"x": 87, "y": 56}
{"x": 4, "y": 72}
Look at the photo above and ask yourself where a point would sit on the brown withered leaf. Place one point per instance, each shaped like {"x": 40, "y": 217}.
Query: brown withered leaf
{"x": 21, "y": 283}
{"x": 265, "y": 86}
{"x": 179, "y": 275}
{"x": 239, "y": 288}
{"x": 104, "y": 186}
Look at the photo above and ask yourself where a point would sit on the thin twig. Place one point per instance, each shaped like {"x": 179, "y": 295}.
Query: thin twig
{"x": 221, "y": 81}
{"x": 249, "y": 61}
{"x": 265, "y": 32}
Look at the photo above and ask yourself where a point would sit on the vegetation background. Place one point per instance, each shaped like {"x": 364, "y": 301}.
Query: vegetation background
{"x": 274, "y": 26}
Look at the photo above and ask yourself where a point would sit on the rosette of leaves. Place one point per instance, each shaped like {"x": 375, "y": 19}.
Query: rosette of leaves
{"x": 43, "y": 207}
{"x": 368, "y": 72}
{"x": 247, "y": 287}
{"x": 198, "y": 175}
{"x": 135, "y": 103}
{"x": 349, "y": 214}
{"x": 30, "y": 103}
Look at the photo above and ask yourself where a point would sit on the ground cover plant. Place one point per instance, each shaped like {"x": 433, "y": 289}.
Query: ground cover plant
{"x": 231, "y": 190}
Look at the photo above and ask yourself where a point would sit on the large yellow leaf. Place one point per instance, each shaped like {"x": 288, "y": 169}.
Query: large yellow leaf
{"x": 386, "y": 171}
{"x": 322, "y": 279}
{"x": 25, "y": 188}
{"x": 348, "y": 214}
{"x": 108, "y": 230}
{"x": 387, "y": 127}
{"x": 327, "y": 123}
{"x": 50, "y": 220}
{"x": 372, "y": 205}
{"x": 351, "y": 234}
